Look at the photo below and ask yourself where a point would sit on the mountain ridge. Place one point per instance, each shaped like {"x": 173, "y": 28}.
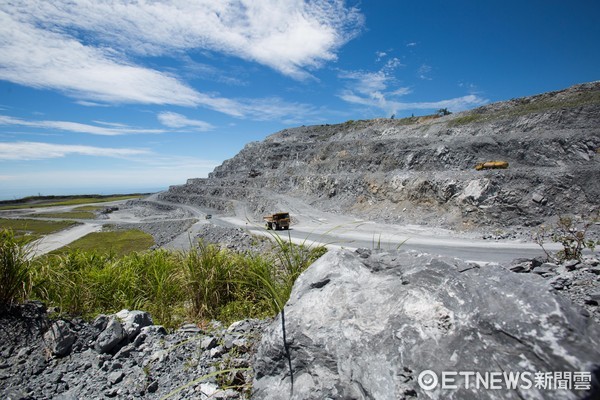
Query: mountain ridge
{"x": 421, "y": 169}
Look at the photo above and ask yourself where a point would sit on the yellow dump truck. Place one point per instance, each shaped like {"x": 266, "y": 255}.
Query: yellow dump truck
{"x": 277, "y": 221}
{"x": 491, "y": 165}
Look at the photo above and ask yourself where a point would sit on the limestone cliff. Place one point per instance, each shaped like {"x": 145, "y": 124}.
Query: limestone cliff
{"x": 421, "y": 170}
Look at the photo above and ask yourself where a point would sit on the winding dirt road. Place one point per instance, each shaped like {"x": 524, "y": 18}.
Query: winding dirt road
{"x": 311, "y": 226}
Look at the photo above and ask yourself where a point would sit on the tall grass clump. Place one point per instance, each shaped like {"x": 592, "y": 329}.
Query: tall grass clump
{"x": 76, "y": 282}
{"x": 208, "y": 278}
{"x": 14, "y": 269}
{"x": 164, "y": 293}
{"x": 293, "y": 259}
{"x": 203, "y": 283}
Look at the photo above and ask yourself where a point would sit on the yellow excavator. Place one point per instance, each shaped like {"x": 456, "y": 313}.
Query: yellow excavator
{"x": 491, "y": 165}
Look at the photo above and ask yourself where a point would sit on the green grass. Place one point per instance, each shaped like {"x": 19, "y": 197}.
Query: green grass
{"x": 88, "y": 208}
{"x": 103, "y": 273}
{"x": 198, "y": 285}
{"x": 51, "y": 201}
{"x": 31, "y": 229}
{"x": 68, "y": 215}
{"x": 532, "y": 106}
{"x": 467, "y": 119}
{"x": 118, "y": 242}
{"x": 14, "y": 269}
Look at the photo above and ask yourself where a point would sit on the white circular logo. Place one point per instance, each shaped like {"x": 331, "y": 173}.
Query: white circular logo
{"x": 427, "y": 379}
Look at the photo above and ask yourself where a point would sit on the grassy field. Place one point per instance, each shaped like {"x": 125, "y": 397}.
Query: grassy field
{"x": 51, "y": 201}
{"x": 31, "y": 229}
{"x": 118, "y": 242}
{"x": 69, "y": 215}
{"x": 83, "y": 212}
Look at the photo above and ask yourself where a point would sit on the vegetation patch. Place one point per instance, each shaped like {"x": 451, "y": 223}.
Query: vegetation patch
{"x": 467, "y": 119}
{"x": 68, "y": 215}
{"x": 532, "y": 105}
{"x": 14, "y": 269}
{"x": 118, "y": 243}
{"x": 32, "y": 229}
{"x": 89, "y": 208}
{"x": 51, "y": 201}
{"x": 198, "y": 285}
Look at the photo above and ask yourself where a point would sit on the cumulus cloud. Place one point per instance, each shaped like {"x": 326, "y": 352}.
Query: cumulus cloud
{"x": 44, "y": 59}
{"x": 39, "y": 151}
{"x": 378, "y": 90}
{"x": 391, "y": 106}
{"x": 85, "y": 48}
{"x": 174, "y": 120}
{"x": 424, "y": 71}
{"x": 109, "y": 130}
{"x": 372, "y": 88}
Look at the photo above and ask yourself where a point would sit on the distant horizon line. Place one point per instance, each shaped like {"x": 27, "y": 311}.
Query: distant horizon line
{"x": 24, "y": 194}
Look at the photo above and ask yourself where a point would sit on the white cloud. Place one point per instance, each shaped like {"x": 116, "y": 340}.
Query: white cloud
{"x": 84, "y": 47}
{"x": 366, "y": 82}
{"x": 402, "y": 91}
{"x": 391, "y": 106}
{"x": 378, "y": 90}
{"x": 424, "y": 71}
{"x": 44, "y": 59}
{"x": 371, "y": 88}
{"x": 40, "y": 151}
{"x": 174, "y": 120}
{"x": 89, "y": 50}
{"x": 379, "y": 55}
{"x": 116, "y": 129}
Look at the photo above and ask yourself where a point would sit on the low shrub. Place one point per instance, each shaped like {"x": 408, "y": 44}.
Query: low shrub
{"x": 572, "y": 234}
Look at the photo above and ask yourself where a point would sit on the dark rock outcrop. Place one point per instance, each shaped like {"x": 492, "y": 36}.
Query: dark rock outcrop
{"x": 121, "y": 356}
{"x": 421, "y": 170}
{"x": 366, "y": 325}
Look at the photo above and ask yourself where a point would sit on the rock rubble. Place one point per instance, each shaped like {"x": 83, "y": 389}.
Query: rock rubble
{"x": 121, "y": 356}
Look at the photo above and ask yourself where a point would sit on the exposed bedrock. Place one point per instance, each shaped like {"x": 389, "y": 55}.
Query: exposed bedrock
{"x": 365, "y": 325}
{"x": 421, "y": 170}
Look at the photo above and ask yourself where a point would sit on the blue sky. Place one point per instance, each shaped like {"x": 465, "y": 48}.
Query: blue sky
{"x": 123, "y": 96}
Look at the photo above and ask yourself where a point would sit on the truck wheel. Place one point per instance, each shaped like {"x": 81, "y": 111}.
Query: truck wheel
{"x": 275, "y": 227}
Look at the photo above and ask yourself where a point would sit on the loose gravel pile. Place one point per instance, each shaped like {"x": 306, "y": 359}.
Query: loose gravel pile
{"x": 122, "y": 356}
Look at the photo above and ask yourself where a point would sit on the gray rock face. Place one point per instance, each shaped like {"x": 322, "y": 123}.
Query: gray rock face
{"x": 134, "y": 321}
{"x": 366, "y": 326}
{"x": 421, "y": 170}
{"x": 111, "y": 336}
{"x": 59, "y": 338}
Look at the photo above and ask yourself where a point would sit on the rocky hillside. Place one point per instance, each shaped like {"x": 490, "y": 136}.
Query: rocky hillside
{"x": 421, "y": 170}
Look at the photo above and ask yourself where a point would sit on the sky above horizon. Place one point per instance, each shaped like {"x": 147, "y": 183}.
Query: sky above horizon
{"x": 120, "y": 96}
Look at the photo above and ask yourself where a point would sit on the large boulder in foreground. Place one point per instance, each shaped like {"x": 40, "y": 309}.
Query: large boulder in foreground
{"x": 366, "y": 326}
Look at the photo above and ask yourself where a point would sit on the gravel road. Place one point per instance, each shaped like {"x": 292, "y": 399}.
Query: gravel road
{"x": 177, "y": 226}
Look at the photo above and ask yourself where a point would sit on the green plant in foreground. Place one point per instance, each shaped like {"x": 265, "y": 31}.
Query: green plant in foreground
{"x": 208, "y": 276}
{"x": 14, "y": 269}
{"x": 203, "y": 283}
{"x": 572, "y": 234}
